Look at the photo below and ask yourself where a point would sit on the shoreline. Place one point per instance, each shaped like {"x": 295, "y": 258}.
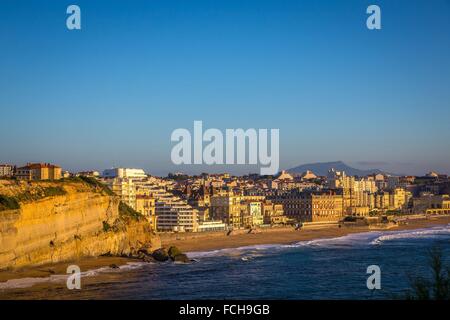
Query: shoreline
{"x": 219, "y": 240}
{"x": 190, "y": 243}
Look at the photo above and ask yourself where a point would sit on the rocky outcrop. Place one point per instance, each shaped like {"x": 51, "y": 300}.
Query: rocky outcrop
{"x": 173, "y": 251}
{"x": 81, "y": 223}
{"x": 160, "y": 255}
{"x": 176, "y": 255}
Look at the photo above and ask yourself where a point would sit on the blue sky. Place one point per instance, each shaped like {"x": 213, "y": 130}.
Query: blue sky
{"x": 112, "y": 93}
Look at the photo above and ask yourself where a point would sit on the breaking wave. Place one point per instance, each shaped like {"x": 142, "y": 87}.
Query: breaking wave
{"x": 435, "y": 232}
{"x": 347, "y": 241}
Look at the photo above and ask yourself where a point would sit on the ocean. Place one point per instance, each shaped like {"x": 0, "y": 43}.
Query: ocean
{"x": 318, "y": 269}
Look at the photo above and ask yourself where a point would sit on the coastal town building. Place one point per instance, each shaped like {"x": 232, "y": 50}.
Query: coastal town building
{"x": 38, "y": 171}
{"x": 125, "y": 188}
{"x": 308, "y": 175}
{"x": 129, "y": 173}
{"x": 174, "y": 214}
{"x": 432, "y": 204}
{"x": 210, "y": 226}
{"x": 226, "y": 207}
{"x": 237, "y": 210}
{"x": 7, "y": 170}
{"x": 312, "y": 206}
{"x": 91, "y": 174}
{"x": 251, "y": 213}
{"x": 146, "y": 205}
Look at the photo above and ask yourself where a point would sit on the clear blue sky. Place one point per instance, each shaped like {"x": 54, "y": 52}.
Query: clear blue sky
{"x": 112, "y": 93}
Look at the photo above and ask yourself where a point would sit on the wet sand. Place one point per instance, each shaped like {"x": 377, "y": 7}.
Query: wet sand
{"x": 60, "y": 268}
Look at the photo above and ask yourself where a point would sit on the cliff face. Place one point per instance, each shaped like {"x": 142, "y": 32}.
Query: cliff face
{"x": 79, "y": 223}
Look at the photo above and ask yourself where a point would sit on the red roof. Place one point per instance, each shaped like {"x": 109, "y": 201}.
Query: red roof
{"x": 39, "y": 166}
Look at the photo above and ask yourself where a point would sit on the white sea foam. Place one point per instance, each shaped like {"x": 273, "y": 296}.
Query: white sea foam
{"x": 351, "y": 240}
{"x": 413, "y": 234}
{"x": 233, "y": 251}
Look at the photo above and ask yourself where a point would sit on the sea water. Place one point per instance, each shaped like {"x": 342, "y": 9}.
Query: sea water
{"x": 318, "y": 269}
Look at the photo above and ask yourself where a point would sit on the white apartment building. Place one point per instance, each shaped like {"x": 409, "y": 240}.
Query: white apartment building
{"x": 125, "y": 189}
{"x": 174, "y": 214}
{"x": 124, "y": 173}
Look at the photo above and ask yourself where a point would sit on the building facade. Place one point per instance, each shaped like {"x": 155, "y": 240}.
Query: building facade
{"x": 6, "y": 170}
{"x": 38, "y": 171}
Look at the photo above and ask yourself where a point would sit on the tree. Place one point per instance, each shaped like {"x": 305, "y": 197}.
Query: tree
{"x": 436, "y": 288}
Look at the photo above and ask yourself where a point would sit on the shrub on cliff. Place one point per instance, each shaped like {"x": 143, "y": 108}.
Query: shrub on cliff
{"x": 106, "y": 226}
{"x": 54, "y": 191}
{"x": 8, "y": 203}
{"x": 40, "y": 193}
{"x": 93, "y": 182}
{"x": 125, "y": 211}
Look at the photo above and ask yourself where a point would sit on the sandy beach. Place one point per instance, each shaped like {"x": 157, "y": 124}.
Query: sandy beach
{"x": 213, "y": 241}
{"x": 218, "y": 240}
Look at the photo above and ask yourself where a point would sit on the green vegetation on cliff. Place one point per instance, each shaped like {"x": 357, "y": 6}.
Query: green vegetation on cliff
{"x": 97, "y": 185}
{"x": 126, "y": 212}
{"x": 8, "y": 203}
{"x": 40, "y": 192}
{"x": 93, "y": 183}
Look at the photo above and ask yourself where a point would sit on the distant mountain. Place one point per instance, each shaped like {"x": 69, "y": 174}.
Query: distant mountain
{"x": 321, "y": 169}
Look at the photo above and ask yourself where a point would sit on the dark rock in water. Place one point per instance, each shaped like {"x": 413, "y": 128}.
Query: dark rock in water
{"x": 148, "y": 259}
{"x": 114, "y": 266}
{"x": 144, "y": 251}
{"x": 160, "y": 255}
{"x": 181, "y": 258}
{"x": 174, "y": 251}
{"x": 141, "y": 256}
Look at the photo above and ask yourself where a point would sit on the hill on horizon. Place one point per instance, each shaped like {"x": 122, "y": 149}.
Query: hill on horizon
{"x": 322, "y": 168}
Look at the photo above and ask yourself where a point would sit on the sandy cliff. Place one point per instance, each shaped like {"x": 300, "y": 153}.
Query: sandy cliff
{"x": 59, "y": 221}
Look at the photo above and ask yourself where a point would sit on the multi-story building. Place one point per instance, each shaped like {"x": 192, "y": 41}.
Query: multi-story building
{"x": 125, "y": 188}
{"x": 226, "y": 207}
{"x": 432, "y": 204}
{"x": 233, "y": 209}
{"x": 251, "y": 213}
{"x": 399, "y": 198}
{"x": 7, "y": 170}
{"x": 382, "y": 200}
{"x": 312, "y": 206}
{"x": 129, "y": 173}
{"x": 38, "y": 171}
{"x": 174, "y": 214}
{"x": 273, "y": 213}
{"x": 145, "y": 205}
{"x": 358, "y": 193}
{"x": 208, "y": 226}
{"x": 92, "y": 174}
{"x": 325, "y": 206}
